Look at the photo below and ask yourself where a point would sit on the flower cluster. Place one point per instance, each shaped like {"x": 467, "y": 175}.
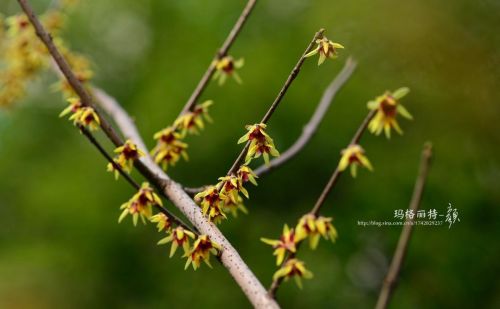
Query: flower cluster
{"x": 193, "y": 121}
{"x": 314, "y": 227}
{"x": 179, "y": 237}
{"x": 388, "y": 107}
{"x": 293, "y": 268}
{"x": 127, "y": 154}
{"x": 211, "y": 202}
{"x": 227, "y": 66}
{"x": 203, "y": 247}
{"x": 224, "y": 197}
{"x": 353, "y": 156}
{"x": 23, "y": 55}
{"x": 326, "y": 49}
{"x": 309, "y": 226}
{"x": 140, "y": 205}
{"x": 260, "y": 143}
{"x": 81, "y": 115}
{"x": 170, "y": 147}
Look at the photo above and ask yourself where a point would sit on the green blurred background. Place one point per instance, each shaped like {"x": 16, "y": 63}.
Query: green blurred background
{"x": 61, "y": 246}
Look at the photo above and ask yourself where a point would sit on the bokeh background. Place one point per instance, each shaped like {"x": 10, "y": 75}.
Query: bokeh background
{"x": 61, "y": 246}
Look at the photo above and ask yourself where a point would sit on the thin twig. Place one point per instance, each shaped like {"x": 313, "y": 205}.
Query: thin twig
{"x": 281, "y": 94}
{"x": 402, "y": 247}
{"x": 222, "y": 52}
{"x": 129, "y": 179}
{"x": 230, "y": 258}
{"x": 324, "y": 194}
{"x": 312, "y": 126}
{"x": 336, "y": 174}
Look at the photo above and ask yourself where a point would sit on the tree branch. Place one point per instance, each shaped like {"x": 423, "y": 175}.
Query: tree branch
{"x": 402, "y": 247}
{"x": 281, "y": 94}
{"x": 324, "y": 194}
{"x": 222, "y": 52}
{"x": 229, "y": 257}
{"x": 312, "y": 126}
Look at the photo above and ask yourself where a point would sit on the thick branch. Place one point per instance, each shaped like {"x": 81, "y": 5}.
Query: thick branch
{"x": 230, "y": 258}
{"x": 312, "y": 126}
{"x": 220, "y": 54}
{"x": 281, "y": 95}
{"x": 404, "y": 238}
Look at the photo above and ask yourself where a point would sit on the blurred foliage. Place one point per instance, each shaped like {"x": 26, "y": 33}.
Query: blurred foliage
{"x": 61, "y": 246}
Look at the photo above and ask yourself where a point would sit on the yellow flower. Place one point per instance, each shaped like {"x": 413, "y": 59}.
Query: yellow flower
{"x": 313, "y": 227}
{"x": 74, "y": 105}
{"x": 211, "y": 201}
{"x": 326, "y": 49}
{"x": 179, "y": 237}
{"x": 227, "y": 67}
{"x": 231, "y": 186}
{"x": 163, "y": 222}
{"x": 293, "y": 268}
{"x": 233, "y": 206}
{"x": 17, "y": 24}
{"x": 260, "y": 143}
{"x": 86, "y": 117}
{"x": 245, "y": 174}
{"x": 192, "y": 121}
{"x": 127, "y": 154}
{"x": 169, "y": 148}
{"x": 140, "y": 205}
{"x": 285, "y": 244}
{"x": 203, "y": 247}
{"x": 388, "y": 107}
{"x": 353, "y": 156}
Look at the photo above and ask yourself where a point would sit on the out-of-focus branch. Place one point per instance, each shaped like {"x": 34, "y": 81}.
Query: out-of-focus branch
{"x": 220, "y": 54}
{"x": 281, "y": 94}
{"x": 402, "y": 247}
{"x": 120, "y": 117}
{"x": 229, "y": 257}
{"x": 312, "y": 126}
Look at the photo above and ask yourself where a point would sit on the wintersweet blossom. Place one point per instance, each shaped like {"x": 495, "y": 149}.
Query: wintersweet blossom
{"x": 203, "y": 247}
{"x": 227, "y": 66}
{"x": 140, "y": 205}
{"x": 246, "y": 174}
{"x": 234, "y": 205}
{"x": 169, "y": 148}
{"x": 127, "y": 154}
{"x": 86, "y": 117}
{"x": 179, "y": 237}
{"x": 231, "y": 186}
{"x": 353, "y": 156}
{"x": 163, "y": 222}
{"x": 388, "y": 107}
{"x": 193, "y": 121}
{"x": 326, "y": 49}
{"x": 211, "y": 202}
{"x": 314, "y": 227}
{"x": 260, "y": 143}
{"x": 285, "y": 244}
{"x": 293, "y": 268}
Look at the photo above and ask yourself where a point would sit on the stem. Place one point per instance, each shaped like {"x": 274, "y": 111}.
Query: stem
{"x": 281, "y": 94}
{"x": 222, "y": 52}
{"x": 402, "y": 247}
{"x": 312, "y": 126}
{"x": 336, "y": 174}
